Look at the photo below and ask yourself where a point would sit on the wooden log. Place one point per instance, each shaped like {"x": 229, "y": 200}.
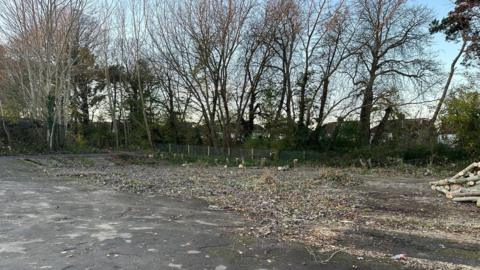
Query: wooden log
{"x": 439, "y": 183}
{"x": 455, "y": 187}
{"x": 456, "y": 181}
{"x": 466, "y": 199}
{"x": 442, "y": 190}
{"x": 475, "y": 178}
{"x": 465, "y": 194}
{"x": 467, "y": 169}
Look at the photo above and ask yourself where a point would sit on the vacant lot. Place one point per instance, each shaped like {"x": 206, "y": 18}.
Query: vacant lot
{"x": 362, "y": 213}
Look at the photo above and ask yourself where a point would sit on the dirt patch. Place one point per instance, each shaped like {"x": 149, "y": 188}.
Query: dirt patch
{"x": 430, "y": 248}
{"x": 375, "y": 215}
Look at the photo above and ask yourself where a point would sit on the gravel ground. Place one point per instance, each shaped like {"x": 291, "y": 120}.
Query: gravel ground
{"x": 377, "y": 214}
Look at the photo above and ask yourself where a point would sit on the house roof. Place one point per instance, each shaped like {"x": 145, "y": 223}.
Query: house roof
{"x": 330, "y": 127}
{"x": 395, "y": 125}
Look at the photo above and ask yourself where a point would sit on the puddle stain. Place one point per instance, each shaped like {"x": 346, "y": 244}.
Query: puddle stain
{"x": 141, "y": 228}
{"x": 201, "y": 222}
{"x": 16, "y": 247}
{"x": 177, "y": 266}
{"x": 74, "y": 235}
{"x": 108, "y": 232}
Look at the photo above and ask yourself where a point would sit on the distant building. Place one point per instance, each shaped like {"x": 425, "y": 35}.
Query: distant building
{"x": 446, "y": 135}
{"x": 404, "y": 130}
{"x": 259, "y": 132}
{"x": 332, "y": 129}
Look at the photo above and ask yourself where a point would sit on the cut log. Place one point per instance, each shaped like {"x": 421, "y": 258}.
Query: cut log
{"x": 455, "y": 187}
{"x": 442, "y": 190}
{"x": 464, "y": 194}
{"x": 439, "y": 183}
{"x": 456, "y": 181}
{"x": 474, "y": 178}
{"x": 466, "y": 170}
{"x": 463, "y": 187}
{"x": 466, "y": 199}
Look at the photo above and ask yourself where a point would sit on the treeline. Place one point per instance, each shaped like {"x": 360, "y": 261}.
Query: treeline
{"x": 225, "y": 72}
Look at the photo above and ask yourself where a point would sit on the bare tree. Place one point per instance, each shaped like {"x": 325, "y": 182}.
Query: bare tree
{"x": 337, "y": 47}
{"x": 254, "y": 60}
{"x": 313, "y": 31}
{"x": 393, "y": 35}
{"x": 40, "y": 35}
{"x": 172, "y": 31}
{"x": 106, "y": 31}
{"x": 138, "y": 16}
{"x": 200, "y": 40}
{"x": 286, "y": 15}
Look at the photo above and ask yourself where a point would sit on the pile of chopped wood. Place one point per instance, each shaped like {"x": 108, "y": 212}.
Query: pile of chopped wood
{"x": 463, "y": 187}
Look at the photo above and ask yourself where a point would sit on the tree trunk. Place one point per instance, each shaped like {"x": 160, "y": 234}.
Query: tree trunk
{"x": 84, "y": 108}
{"x": 288, "y": 102}
{"x": 447, "y": 84}
{"x": 367, "y": 105}
{"x": 5, "y": 129}
{"x": 381, "y": 126}
{"x": 251, "y": 115}
{"x": 144, "y": 111}
{"x": 114, "y": 119}
{"x": 302, "y": 105}
{"x": 323, "y": 102}
{"x": 365, "y": 115}
{"x": 282, "y": 99}
{"x": 226, "y": 133}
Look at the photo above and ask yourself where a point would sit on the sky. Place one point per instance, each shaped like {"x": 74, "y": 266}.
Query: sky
{"x": 446, "y": 51}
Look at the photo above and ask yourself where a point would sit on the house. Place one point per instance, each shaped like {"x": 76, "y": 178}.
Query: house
{"x": 403, "y": 130}
{"x": 446, "y": 135}
{"x": 259, "y": 132}
{"x": 345, "y": 132}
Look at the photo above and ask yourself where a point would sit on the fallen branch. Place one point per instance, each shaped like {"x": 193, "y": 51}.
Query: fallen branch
{"x": 331, "y": 257}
